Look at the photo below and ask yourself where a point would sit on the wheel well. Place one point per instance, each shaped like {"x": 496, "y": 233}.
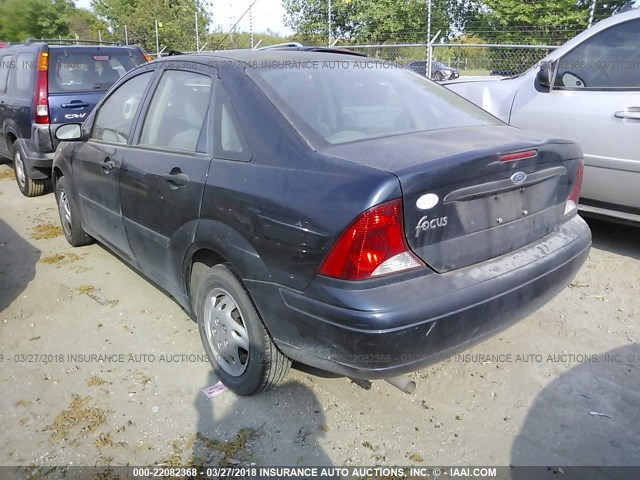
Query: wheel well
{"x": 201, "y": 261}
{"x": 11, "y": 138}
{"x": 56, "y": 175}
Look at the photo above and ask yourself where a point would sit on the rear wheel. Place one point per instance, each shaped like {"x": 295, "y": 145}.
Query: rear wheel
{"x": 438, "y": 76}
{"x": 69, "y": 216}
{"x": 28, "y": 186}
{"x": 238, "y": 345}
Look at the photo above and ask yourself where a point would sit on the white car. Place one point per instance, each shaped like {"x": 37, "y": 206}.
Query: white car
{"x": 588, "y": 91}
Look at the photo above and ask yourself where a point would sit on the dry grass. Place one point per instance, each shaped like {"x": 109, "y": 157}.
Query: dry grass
{"x": 203, "y": 449}
{"x": 231, "y": 448}
{"x": 46, "y": 231}
{"x": 60, "y": 258}
{"x": 7, "y": 174}
{"x": 93, "y": 293}
{"x": 86, "y": 289}
{"x": 105, "y": 440}
{"x": 95, "y": 381}
{"x": 81, "y": 415}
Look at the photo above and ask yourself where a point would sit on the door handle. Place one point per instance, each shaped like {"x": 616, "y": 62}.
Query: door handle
{"x": 631, "y": 113}
{"x": 176, "y": 178}
{"x": 108, "y": 165}
{"x": 74, "y": 105}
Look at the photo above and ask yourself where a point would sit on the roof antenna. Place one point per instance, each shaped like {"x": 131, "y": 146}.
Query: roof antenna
{"x": 235, "y": 24}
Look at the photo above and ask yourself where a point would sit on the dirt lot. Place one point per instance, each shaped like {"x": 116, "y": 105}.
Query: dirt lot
{"x": 566, "y": 390}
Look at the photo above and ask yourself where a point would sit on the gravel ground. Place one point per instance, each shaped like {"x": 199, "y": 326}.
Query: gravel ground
{"x": 565, "y": 390}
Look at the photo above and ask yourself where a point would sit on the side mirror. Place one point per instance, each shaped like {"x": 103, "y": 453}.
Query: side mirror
{"x": 545, "y": 74}
{"x": 69, "y": 132}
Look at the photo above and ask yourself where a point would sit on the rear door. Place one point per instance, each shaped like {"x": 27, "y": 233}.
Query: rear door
{"x": 79, "y": 76}
{"x": 164, "y": 174}
{"x": 595, "y": 101}
{"x": 97, "y": 162}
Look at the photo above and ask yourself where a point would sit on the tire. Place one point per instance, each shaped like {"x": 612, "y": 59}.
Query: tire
{"x": 28, "y": 186}
{"x": 239, "y": 347}
{"x": 438, "y": 76}
{"x": 70, "y": 216}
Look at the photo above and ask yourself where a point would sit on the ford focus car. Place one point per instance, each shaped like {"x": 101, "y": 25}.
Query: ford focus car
{"x": 362, "y": 220}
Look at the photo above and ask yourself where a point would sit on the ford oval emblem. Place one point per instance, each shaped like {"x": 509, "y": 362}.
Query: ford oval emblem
{"x": 427, "y": 201}
{"x": 518, "y": 177}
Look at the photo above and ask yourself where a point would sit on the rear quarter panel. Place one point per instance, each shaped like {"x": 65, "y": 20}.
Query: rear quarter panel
{"x": 288, "y": 204}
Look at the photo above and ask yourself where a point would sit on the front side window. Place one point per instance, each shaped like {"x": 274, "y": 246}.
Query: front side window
{"x": 608, "y": 60}
{"x": 115, "y": 116}
{"x": 363, "y": 100}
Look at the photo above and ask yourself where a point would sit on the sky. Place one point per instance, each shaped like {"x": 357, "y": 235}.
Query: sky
{"x": 266, "y": 14}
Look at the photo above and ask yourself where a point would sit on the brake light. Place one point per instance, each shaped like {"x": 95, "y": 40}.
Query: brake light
{"x": 374, "y": 244}
{"x": 147, "y": 57}
{"x": 42, "y": 99}
{"x": 510, "y": 157}
{"x": 574, "y": 195}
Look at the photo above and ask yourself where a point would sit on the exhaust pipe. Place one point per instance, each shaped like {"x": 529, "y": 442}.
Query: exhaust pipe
{"x": 402, "y": 382}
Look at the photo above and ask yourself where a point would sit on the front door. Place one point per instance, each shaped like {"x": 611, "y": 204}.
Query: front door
{"x": 164, "y": 174}
{"x": 97, "y": 163}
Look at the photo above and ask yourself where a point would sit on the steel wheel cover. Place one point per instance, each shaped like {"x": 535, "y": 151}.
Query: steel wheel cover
{"x": 65, "y": 212}
{"x": 19, "y": 166}
{"x": 226, "y": 332}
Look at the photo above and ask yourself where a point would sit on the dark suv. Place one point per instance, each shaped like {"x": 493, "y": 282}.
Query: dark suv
{"x": 320, "y": 207}
{"x": 42, "y": 86}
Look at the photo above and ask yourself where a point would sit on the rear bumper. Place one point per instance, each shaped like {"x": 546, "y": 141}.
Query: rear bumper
{"x": 374, "y": 330}
{"x": 37, "y": 152}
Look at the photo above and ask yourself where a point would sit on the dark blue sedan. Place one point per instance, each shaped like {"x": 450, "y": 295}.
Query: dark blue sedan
{"x": 323, "y": 208}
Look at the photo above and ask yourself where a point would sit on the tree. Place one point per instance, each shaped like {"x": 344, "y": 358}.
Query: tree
{"x": 539, "y": 21}
{"x": 83, "y": 24}
{"x": 373, "y": 21}
{"x": 176, "y": 21}
{"x": 22, "y": 19}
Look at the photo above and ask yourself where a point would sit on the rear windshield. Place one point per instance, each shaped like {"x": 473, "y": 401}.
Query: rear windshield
{"x": 360, "y": 100}
{"x": 82, "y": 71}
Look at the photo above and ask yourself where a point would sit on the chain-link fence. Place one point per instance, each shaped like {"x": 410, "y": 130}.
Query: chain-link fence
{"x": 490, "y": 59}
{"x": 467, "y": 59}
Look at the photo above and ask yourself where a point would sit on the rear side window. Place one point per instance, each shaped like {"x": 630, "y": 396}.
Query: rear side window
{"x": 608, "y": 60}
{"x": 116, "y": 114}
{"x": 93, "y": 70}
{"x": 21, "y": 81}
{"x": 229, "y": 141}
{"x": 6, "y": 65}
{"x": 177, "y": 115}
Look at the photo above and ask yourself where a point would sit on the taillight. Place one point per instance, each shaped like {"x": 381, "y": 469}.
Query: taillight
{"x": 147, "y": 57}
{"x": 42, "y": 99}
{"x": 374, "y": 244}
{"x": 574, "y": 195}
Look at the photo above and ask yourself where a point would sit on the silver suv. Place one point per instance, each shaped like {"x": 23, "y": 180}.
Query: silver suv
{"x": 588, "y": 90}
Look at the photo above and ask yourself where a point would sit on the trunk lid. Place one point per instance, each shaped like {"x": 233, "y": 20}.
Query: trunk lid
{"x": 462, "y": 204}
